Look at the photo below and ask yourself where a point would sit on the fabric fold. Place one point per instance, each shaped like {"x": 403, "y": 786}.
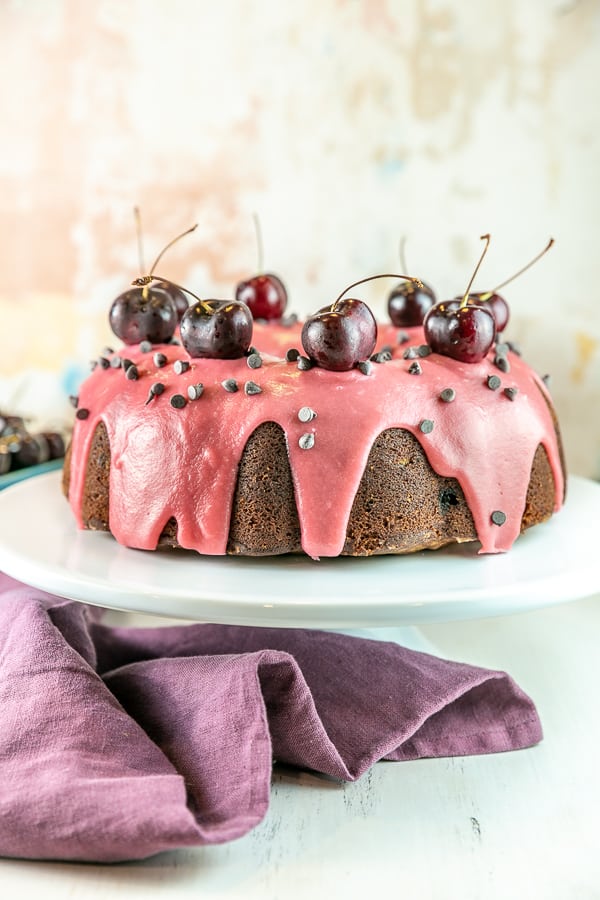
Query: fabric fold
{"x": 120, "y": 743}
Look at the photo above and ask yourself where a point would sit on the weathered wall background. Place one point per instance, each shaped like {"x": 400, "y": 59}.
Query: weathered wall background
{"x": 344, "y": 123}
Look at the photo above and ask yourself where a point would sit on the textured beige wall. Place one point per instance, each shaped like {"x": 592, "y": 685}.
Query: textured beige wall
{"x": 344, "y": 123}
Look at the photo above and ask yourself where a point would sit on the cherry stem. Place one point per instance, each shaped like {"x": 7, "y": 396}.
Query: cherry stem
{"x": 531, "y": 263}
{"x": 401, "y": 252}
{"x": 487, "y": 238}
{"x": 169, "y": 245}
{"x": 259, "y": 243}
{"x": 140, "y": 240}
{"x": 145, "y": 280}
{"x": 417, "y": 281}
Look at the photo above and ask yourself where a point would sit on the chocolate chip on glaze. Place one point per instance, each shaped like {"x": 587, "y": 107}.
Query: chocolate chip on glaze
{"x": 108, "y": 351}
{"x": 415, "y": 368}
{"x": 292, "y": 354}
{"x": 230, "y": 385}
{"x": 426, "y": 426}
{"x": 116, "y": 362}
{"x": 403, "y": 337}
{"x": 180, "y": 366}
{"x": 502, "y": 349}
{"x": 93, "y": 364}
{"x": 306, "y": 414}
{"x": 423, "y": 350}
{"x": 511, "y": 392}
{"x": 74, "y": 401}
{"x": 502, "y": 363}
{"x": 493, "y": 382}
{"x": 411, "y": 353}
{"x": 498, "y": 517}
{"x": 178, "y": 401}
{"x": 288, "y": 321}
{"x": 125, "y": 363}
{"x": 254, "y": 361}
{"x": 547, "y": 379}
{"x": 307, "y": 441}
{"x": 448, "y": 395}
{"x": 131, "y": 372}
{"x": 304, "y": 363}
{"x": 155, "y": 391}
{"x": 195, "y": 391}
{"x": 251, "y": 388}
{"x": 103, "y": 362}
{"x": 82, "y": 413}
{"x": 145, "y": 347}
{"x": 382, "y": 356}
{"x": 160, "y": 360}
{"x": 365, "y": 366}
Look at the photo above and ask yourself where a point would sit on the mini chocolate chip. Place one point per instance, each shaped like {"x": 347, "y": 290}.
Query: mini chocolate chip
{"x": 116, "y": 362}
{"x": 306, "y": 414}
{"x": 498, "y": 517}
{"x": 502, "y": 349}
{"x": 155, "y": 390}
{"x": 178, "y": 401}
{"x": 145, "y": 347}
{"x": 365, "y": 366}
{"x": 382, "y": 356}
{"x": 93, "y": 364}
{"x": 307, "y": 441}
{"x": 304, "y": 363}
{"x": 516, "y": 349}
{"x": 424, "y": 350}
{"x": 230, "y": 385}
{"x": 387, "y": 348}
{"x": 254, "y": 361}
{"x": 403, "y": 337}
{"x": 426, "y": 426}
{"x": 448, "y": 395}
{"x": 180, "y": 366}
{"x": 410, "y": 353}
{"x": 292, "y": 355}
{"x": 160, "y": 360}
{"x": 502, "y": 363}
{"x": 251, "y": 387}
{"x": 511, "y": 392}
{"x": 74, "y": 400}
{"x": 104, "y": 362}
{"x": 175, "y": 341}
{"x": 547, "y": 379}
{"x": 195, "y": 391}
{"x": 125, "y": 363}
{"x": 107, "y": 351}
{"x": 288, "y": 321}
{"x": 132, "y": 373}
{"x": 493, "y": 382}
{"x": 82, "y": 413}
{"x": 415, "y": 368}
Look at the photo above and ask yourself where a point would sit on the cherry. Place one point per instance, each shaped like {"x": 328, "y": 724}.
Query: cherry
{"x": 461, "y": 330}
{"x": 148, "y": 313}
{"x": 339, "y": 336}
{"x": 408, "y": 302}
{"x": 264, "y": 294}
{"x": 143, "y": 314}
{"x": 217, "y": 329}
{"x": 177, "y": 296}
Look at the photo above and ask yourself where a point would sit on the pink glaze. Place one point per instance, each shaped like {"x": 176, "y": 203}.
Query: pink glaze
{"x": 183, "y": 462}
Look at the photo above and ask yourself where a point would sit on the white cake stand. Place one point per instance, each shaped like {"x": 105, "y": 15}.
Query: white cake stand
{"x": 552, "y": 563}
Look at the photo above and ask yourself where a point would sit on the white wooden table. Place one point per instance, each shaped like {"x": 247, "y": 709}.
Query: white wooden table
{"x": 510, "y": 826}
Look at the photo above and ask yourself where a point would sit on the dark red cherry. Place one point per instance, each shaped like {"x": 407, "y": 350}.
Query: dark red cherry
{"x": 177, "y": 296}
{"x": 217, "y": 329}
{"x": 496, "y": 304}
{"x": 408, "y": 304}
{"x": 143, "y": 314}
{"x": 465, "y": 332}
{"x": 340, "y": 336}
{"x": 265, "y": 296}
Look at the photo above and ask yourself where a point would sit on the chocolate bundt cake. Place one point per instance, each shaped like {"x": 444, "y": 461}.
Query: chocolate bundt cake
{"x": 230, "y": 456}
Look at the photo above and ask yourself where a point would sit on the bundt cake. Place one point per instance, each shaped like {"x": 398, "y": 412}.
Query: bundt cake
{"x": 260, "y": 455}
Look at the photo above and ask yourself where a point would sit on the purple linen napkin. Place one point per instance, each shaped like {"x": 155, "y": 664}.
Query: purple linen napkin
{"x": 119, "y": 743}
